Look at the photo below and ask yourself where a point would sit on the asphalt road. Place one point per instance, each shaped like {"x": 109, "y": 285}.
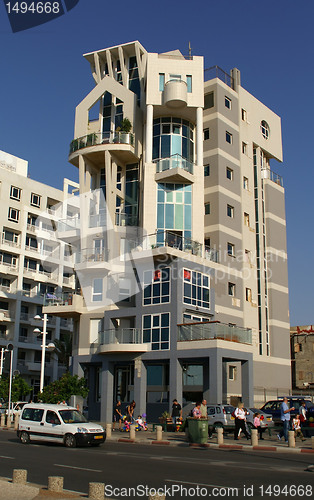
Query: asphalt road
{"x": 121, "y": 466}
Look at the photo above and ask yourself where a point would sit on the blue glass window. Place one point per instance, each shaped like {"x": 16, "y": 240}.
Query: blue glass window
{"x": 189, "y": 83}
{"x": 161, "y": 81}
{"x": 159, "y": 334}
{"x": 156, "y": 287}
{"x": 196, "y": 288}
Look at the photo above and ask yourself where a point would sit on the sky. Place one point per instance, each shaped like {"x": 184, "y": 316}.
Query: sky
{"x": 44, "y": 76}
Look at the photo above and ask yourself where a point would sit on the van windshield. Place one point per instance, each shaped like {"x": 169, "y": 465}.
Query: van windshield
{"x": 72, "y": 416}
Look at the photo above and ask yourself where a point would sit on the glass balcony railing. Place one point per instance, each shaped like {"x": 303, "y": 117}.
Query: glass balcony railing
{"x": 123, "y": 219}
{"x": 122, "y": 336}
{"x": 58, "y": 299}
{"x": 96, "y": 139}
{"x": 174, "y": 161}
{"x": 214, "y": 330}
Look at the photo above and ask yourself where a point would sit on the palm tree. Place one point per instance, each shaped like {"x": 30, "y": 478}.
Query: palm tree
{"x": 63, "y": 349}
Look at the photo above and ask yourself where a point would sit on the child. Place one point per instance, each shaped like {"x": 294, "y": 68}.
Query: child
{"x": 257, "y": 424}
{"x": 296, "y": 425}
{"x": 126, "y": 424}
{"x": 141, "y": 425}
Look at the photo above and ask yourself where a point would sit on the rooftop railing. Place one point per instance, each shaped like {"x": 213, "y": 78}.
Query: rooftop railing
{"x": 121, "y": 336}
{"x": 98, "y": 138}
{"x": 217, "y": 72}
{"x": 214, "y": 330}
{"x": 174, "y": 161}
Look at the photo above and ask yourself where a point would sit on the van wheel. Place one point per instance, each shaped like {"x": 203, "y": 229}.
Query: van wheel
{"x": 24, "y": 437}
{"x": 70, "y": 441}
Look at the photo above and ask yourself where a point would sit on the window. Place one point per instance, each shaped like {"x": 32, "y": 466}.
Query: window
{"x": 15, "y": 193}
{"x": 14, "y": 214}
{"x": 209, "y": 100}
{"x": 230, "y": 249}
{"x": 206, "y": 170}
{"x": 229, "y": 173}
{"x": 247, "y": 256}
{"x": 246, "y": 219}
{"x": 175, "y": 77}
{"x": 189, "y": 83}
{"x": 207, "y": 208}
{"x": 10, "y": 237}
{"x": 8, "y": 259}
{"x": 265, "y": 129}
{"x": 193, "y": 318}
{"x": 244, "y": 115}
{"x": 244, "y": 148}
{"x": 161, "y": 81}
{"x": 35, "y": 200}
{"x": 31, "y": 243}
{"x": 97, "y": 290}
{"x": 206, "y": 134}
{"x": 156, "y": 330}
{"x": 230, "y": 211}
{"x": 231, "y": 289}
{"x": 228, "y": 137}
{"x": 248, "y": 294}
{"x": 156, "y": 286}
{"x": 232, "y": 372}
{"x": 245, "y": 183}
{"x": 227, "y": 102}
{"x": 196, "y": 288}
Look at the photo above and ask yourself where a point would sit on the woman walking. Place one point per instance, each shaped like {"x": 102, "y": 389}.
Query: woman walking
{"x": 240, "y": 419}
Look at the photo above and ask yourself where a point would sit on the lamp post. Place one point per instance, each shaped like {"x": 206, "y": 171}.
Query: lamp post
{"x": 10, "y": 349}
{"x": 50, "y": 346}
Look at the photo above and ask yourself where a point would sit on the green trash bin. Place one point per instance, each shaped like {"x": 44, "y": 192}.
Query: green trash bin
{"x": 198, "y": 430}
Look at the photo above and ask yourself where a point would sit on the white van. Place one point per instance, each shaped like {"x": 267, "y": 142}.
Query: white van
{"x": 58, "y": 423}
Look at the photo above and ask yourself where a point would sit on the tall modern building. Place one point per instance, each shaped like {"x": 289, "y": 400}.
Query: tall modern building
{"x": 181, "y": 238}
{"x": 32, "y": 263}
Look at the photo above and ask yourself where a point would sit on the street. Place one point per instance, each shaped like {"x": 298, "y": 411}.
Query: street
{"x": 121, "y": 465}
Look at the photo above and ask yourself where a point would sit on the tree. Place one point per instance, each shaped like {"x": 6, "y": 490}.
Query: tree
{"x": 20, "y": 388}
{"x": 62, "y": 389}
{"x": 63, "y": 349}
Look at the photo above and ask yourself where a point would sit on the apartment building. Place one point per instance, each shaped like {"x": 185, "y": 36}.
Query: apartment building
{"x": 181, "y": 240}
{"x": 32, "y": 263}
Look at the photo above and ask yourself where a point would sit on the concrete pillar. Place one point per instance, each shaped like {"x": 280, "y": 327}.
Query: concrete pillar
{"x": 107, "y": 379}
{"x": 312, "y": 442}
{"x": 149, "y": 134}
{"x": 254, "y": 437}
{"x": 96, "y": 491}
{"x": 291, "y": 439}
{"x": 159, "y": 433}
{"x": 19, "y": 476}
{"x": 108, "y": 430}
{"x": 157, "y": 497}
{"x": 175, "y": 377}
{"x": 247, "y": 382}
{"x": 215, "y": 378}
{"x": 132, "y": 432}
{"x": 140, "y": 386}
{"x": 199, "y": 137}
{"x": 220, "y": 435}
{"x": 9, "y": 421}
{"x": 16, "y": 421}
{"x": 55, "y": 483}
{"x": 2, "y": 422}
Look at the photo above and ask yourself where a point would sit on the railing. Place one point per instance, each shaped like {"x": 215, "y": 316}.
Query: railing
{"x": 217, "y": 72}
{"x": 67, "y": 280}
{"x": 69, "y": 224}
{"x": 174, "y": 161}
{"x": 30, "y": 248}
{"x": 269, "y": 174}
{"x": 214, "y": 330}
{"x": 92, "y": 255}
{"x": 32, "y": 228}
{"x": 58, "y": 299}
{"x": 95, "y": 139}
{"x": 123, "y": 219}
{"x": 123, "y": 336}
{"x": 5, "y": 289}
{"x": 98, "y": 220}
{"x": 11, "y": 243}
{"x": 24, "y": 316}
{"x": 10, "y": 266}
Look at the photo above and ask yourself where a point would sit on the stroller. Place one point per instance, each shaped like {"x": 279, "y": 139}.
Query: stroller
{"x": 126, "y": 425}
{"x": 141, "y": 423}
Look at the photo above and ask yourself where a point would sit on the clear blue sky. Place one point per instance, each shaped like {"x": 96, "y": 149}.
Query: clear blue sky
{"x": 43, "y": 77}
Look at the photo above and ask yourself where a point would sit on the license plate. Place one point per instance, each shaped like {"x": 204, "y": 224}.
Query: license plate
{"x": 97, "y": 437}
{"x": 268, "y": 419}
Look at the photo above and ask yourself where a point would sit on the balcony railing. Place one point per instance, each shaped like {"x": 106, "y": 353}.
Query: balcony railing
{"x": 217, "y": 72}
{"x": 10, "y": 243}
{"x": 269, "y": 174}
{"x": 12, "y": 266}
{"x": 95, "y": 139}
{"x": 69, "y": 224}
{"x": 58, "y": 299}
{"x": 123, "y": 336}
{"x": 123, "y": 219}
{"x": 93, "y": 255}
{"x": 174, "y": 161}
{"x": 214, "y": 330}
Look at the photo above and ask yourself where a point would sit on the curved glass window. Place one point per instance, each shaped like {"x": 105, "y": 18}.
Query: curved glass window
{"x": 173, "y": 136}
{"x": 265, "y": 129}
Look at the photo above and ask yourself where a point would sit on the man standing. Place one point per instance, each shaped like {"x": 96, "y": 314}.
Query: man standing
{"x": 302, "y": 413}
{"x": 204, "y": 409}
{"x": 285, "y": 419}
{"x": 117, "y": 415}
{"x": 176, "y": 413}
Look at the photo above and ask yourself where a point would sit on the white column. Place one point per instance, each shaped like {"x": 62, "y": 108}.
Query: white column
{"x": 199, "y": 136}
{"x": 43, "y": 354}
{"x": 149, "y": 134}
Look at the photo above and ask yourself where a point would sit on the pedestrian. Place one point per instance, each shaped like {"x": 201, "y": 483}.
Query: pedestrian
{"x": 296, "y": 425}
{"x": 117, "y": 415}
{"x": 204, "y": 414}
{"x": 257, "y": 424}
{"x": 303, "y": 419}
{"x": 285, "y": 419}
{"x": 130, "y": 411}
{"x": 176, "y": 414}
{"x": 240, "y": 421}
{"x": 197, "y": 410}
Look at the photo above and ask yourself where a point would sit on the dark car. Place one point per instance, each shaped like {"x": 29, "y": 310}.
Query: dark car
{"x": 273, "y": 407}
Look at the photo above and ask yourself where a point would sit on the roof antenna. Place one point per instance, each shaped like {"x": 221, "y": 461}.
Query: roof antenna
{"x": 190, "y": 50}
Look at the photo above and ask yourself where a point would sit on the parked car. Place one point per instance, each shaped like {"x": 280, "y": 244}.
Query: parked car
{"x": 273, "y": 407}
{"x": 220, "y": 416}
{"x": 266, "y": 419}
{"x": 16, "y": 408}
{"x": 58, "y": 423}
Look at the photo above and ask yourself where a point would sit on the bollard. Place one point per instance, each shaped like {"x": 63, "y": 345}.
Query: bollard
{"x": 108, "y": 430}
{"x": 159, "y": 433}
{"x": 55, "y": 483}
{"x": 157, "y": 497}
{"x": 19, "y": 476}
{"x": 291, "y": 439}
{"x": 8, "y": 421}
{"x": 132, "y": 431}
{"x": 254, "y": 437}
{"x": 312, "y": 440}
{"x": 16, "y": 421}
{"x": 96, "y": 491}
{"x": 220, "y": 435}
{"x": 2, "y": 422}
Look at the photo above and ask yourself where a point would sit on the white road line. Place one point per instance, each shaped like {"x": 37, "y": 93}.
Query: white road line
{"x": 9, "y": 458}
{"x": 78, "y": 468}
{"x": 199, "y": 484}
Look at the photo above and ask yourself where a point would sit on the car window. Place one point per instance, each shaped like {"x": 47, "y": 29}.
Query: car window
{"x": 268, "y": 406}
{"x": 52, "y": 418}
{"x": 218, "y": 410}
{"x": 229, "y": 409}
{"x": 33, "y": 414}
{"x": 211, "y": 411}
{"x": 72, "y": 416}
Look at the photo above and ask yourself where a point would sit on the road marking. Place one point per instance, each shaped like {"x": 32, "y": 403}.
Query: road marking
{"x": 78, "y": 468}
{"x": 9, "y": 458}
{"x": 199, "y": 484}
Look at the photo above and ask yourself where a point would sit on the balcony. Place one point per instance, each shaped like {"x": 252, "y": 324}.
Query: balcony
{"x": 175, "y": 94}
{"x": 214, "y": 331}
{"x": 123, "y": 340}
{"x": 93, "y": 255}
{"x": 122, "y": 143}
{"x": 217, "y": 72}
{"x": 65, "y": 305}
{"x": 174, "y": 168}
{"x": 10, "y": 243}
{"x": 123, "y": 219}
{"x": 269, "y": 174}
{"x": 5, "y": 315}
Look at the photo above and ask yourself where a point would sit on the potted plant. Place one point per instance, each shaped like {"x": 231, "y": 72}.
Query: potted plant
{"x": 124, "y": 131}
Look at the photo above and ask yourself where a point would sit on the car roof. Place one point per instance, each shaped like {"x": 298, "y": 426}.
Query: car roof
{"x": 47, "y": 406}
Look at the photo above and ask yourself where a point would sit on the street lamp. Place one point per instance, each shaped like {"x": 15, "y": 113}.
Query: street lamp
{"x": 10, "y": 349}
{"x": 50, "y": 347}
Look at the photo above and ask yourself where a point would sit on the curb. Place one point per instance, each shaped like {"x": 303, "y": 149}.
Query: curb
{"x": 160, "y": 442}
{"x": 126, "y": 440}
